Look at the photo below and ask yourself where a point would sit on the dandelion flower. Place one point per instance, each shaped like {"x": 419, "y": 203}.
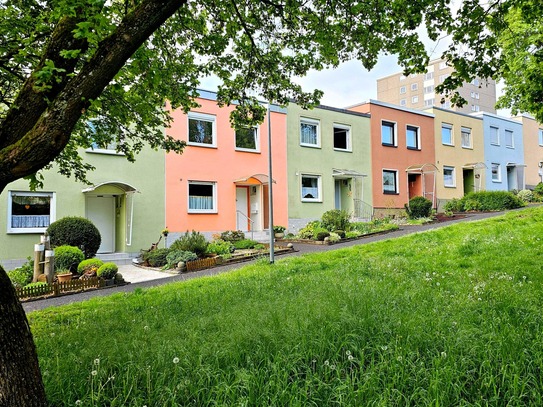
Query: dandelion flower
{"x": 176, "y": 360}
{"x": 78, "y": 402}
{"x": 350, "y": 357}
{"x": 348, "y": 353}
{"x": 94, "y": 372}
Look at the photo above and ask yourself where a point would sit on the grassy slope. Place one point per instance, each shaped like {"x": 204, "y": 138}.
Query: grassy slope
{"x": 449, "y": 317}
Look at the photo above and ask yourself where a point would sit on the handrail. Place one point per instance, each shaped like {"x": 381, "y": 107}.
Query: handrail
{"x": 248, "y": 218}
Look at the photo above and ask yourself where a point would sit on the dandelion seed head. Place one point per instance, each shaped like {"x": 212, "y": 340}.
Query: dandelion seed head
{"x": 443, "y": 354}
{"x": 78, "y": 402}
{"x": 348, "y": 353}
{"x": 94, "y": 372}
{"x": 96, "y": 361}
{"x": 146, "y": 327}
{"x": 350, "y": 357}
{"x": 176, "y": 360}
{"x": 326, "y": 362}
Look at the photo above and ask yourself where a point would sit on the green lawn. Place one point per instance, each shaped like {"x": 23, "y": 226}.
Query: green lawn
{"x": 442, "y": 318}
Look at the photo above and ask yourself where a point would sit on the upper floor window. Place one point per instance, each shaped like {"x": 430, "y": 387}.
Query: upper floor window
{"x": 442, "y": 78}
{"x": 429, "y": 75}
{"x": 30, "y": 212}
{"x": 309, "y": 133}
{"x": 509, "y": 139}
{"x": 466, "y": 137}
{"x": 429, "y": 89}
{"x": 474, "y": 95}
{"x": 403, "y": 102}
{"x": 429, "y": 102}
{"x": 202, "y": 197}
{"x": 540, "y": 137}
{"x": 442, "y": 65}
{"x": 446, "y": 104}
{"x": 494, "y": 135}
{"x": 475, "y": 108}
{"x": 414, "y": 86}
{"x": 247, "y": 139}
{"x": 415, "y": 99}
{"x": 402, "y": 90}
{"x": 388, "y": 133}
{"x": 412, "y": 137}
{"x": 447, "y": 134}
{"x": 202, "y": 130}
{"x": 311, "y": 188}
{"x": 475, "y": 82}
{"x": 342, "y": 137}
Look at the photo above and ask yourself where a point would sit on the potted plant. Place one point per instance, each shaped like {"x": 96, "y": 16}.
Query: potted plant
{"x": 63, "y": 275}
{"x": 279, "y": 231}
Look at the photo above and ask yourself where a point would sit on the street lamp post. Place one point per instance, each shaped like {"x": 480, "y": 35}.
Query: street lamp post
{"x": 270, "y": 189}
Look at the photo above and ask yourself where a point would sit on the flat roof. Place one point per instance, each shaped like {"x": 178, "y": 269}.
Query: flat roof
{"x": 392, "y": 106}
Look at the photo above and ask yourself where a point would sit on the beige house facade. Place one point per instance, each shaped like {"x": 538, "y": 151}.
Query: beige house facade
{"x": 532, "y": 133}
{"x": 418, "y": 91}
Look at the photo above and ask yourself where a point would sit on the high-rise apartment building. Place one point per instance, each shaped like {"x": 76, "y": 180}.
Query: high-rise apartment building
{"x": 418, "y": 91}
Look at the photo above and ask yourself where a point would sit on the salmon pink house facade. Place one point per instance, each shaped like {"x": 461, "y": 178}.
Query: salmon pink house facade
{"x": 221, "y": 182}
{"x": 402, "y": 155}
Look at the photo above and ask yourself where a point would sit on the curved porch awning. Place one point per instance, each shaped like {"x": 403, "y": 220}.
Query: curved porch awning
{"x": 421, "y": 168}
{"x": 255, "y": 179}
{"x": 474, "y": 166}
{"x": 118, "y": 184}
{"x": 344, "y": 174}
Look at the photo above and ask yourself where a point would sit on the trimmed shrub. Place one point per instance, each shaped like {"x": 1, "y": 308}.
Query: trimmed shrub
{"x": 107, "y": 271}
{"x": 245, "y": 244}
{"x": 335, "y": 219}
{"x": 526, "y": 195}
{"x": 220, "y": 247}
{"x": 37, "y": 284}
{"x": 75, "y": 231}
{"x": 320, "y": 234}
{"x": 491, "y": 201}
{"x": 419, "y": 207}
{"x": 232, "y": 235}
{"x": 68, "y": 257}
{"x": 538, "y": 192}
{"x": 175, "y": 256}
{"x": 89, "y": 264}
{"x": 157, "y": 257}
{"x": 191, "y": 242}
{"x": 22, "y": 276}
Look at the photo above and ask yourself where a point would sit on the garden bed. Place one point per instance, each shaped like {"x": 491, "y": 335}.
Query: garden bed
{"x": 329, "y": 243}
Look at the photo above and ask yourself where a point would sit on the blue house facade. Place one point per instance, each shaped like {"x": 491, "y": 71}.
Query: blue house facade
{"x": 503, "y": 152}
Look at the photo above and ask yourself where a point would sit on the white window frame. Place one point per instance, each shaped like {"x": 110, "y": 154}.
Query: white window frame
{"x": 214, "y": 185}
{"x": 414, "y": 86}
{"x": 429, "y": 75}
{"x": 257, "y": 142}
{"x": 319, "y": 187}
{"x": 394, "y": 134}
{"x": 540, "y": 137}
{"x": 468, "y": 131}
{"x": 396, "y": 183}
{"x": 206, "y": 118}
{"x": 450, "y": 127}
{"x": 442, "y": 78}
{"x": 505, "y": 133}
{"x": 497, "y": 141}
{"x": 442, "y": 65}
{"x": 402, "y": 90}
{"x": 403, "y": 102}
{"x": 312, "y": 122}
{"x": 417, "y": 128}
{"x": 498, "y": 172}
{"x": 475, "y": 82}
{"x": 348, "y": 130}
{"x": 452, "y": 184}
{"x": 429, "y": 102}
{"x": 52, "y": 211}
{"x": 429, "y": 89}
{"x": 415, "y": 99}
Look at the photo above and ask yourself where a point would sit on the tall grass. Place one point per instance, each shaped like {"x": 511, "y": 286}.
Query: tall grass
{"x": 442, "y": 318}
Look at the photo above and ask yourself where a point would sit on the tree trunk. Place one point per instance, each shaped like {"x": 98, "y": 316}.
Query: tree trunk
{"x": 21, "y": 384}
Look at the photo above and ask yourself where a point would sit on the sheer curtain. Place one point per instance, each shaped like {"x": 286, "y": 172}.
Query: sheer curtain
{"x": 30, "y": 221}
{"x": 200, "y": 202}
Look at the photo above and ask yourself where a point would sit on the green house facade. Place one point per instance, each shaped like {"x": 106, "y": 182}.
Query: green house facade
{"x": 329, "y": 163}
{"x": 124, "y": 200}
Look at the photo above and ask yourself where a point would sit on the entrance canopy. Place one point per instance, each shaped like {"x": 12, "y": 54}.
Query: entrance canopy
{"x": 474, "y": 166}
{"x": 255, "y": 179}
{"x": 117, "y": 184}
{"x": 421, "y": 169}
{"x": 515, "y": 165}
{"x": 345, "y": 174}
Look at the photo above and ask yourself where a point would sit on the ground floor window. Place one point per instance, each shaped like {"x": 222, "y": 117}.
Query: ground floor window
{"x": 390, "y": 181}
{"x": 448, "y": 177}
{"x": 202, "y": 197}
{"x": 496, "y": 172}
{"x": 30, "y": 212}
{"x": 311, "y": 188}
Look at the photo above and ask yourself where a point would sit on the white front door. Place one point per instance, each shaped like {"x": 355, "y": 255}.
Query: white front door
{"x": 101, "y": 212}
{"x": 242, "y": 206}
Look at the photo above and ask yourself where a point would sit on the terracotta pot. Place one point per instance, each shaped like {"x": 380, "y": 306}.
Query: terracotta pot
{"x": 64, "y": 277}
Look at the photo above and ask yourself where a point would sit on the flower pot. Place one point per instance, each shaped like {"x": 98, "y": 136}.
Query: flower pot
{"x": 64, "y": 277}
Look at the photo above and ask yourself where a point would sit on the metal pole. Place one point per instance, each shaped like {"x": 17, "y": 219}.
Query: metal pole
{"x": 270, "y": 190}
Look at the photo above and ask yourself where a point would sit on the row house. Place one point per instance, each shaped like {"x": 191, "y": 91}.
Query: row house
{"x": 402, "y": 154}
{"x": 329, "y": 163}
{"x": 532, "y": 136}
{"x": 124, "y": 200}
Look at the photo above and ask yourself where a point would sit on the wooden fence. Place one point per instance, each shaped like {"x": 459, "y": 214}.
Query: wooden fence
{"x": 56, "y": 288}
{"x": 201, "y": 264}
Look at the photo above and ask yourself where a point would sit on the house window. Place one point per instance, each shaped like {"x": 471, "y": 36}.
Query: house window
{"x": 415, "y": 99}
{"x": 309, "y": 133}
{"x": 403, "y": 102}
{"x": 342, "y": 137}
{"x": 202, "y": 197}
{"x": 540, "y": 136}
{"x": 30, "y": 212}
{"x": 388, "y": 133}
{"x": 448, "y": 177}
{"x": 496, "y": 172}
{"x": 202, "y": 130}
{"x": 442, "y": 78}
{"x": 494, "y": 136}
{"x": 446, "y": 104}
{"x": 475, "y": 82}
{"x": 429, "y": 102}
{"x": 466, "y": 137}
{"x": 447, "y": 134}
{"x": 311, "y": 188}
{"x": 390, "y": 182}
{"x": 414, "y": 86}
{"x": 412, "y": 138}
{"x": 442, "y": 65}
{"x": 247, "y": 139}
{"x": 509, "y": 139}
{"x": 402, "y": 90}
{"x": 429, "y": 89}
{"x": 474, "y": 95}
{"x": 428, "y": 76}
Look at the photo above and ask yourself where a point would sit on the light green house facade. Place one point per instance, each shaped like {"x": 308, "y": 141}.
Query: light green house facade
{"x": 329, "y": 163}
{"x": 125, "y": 201}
